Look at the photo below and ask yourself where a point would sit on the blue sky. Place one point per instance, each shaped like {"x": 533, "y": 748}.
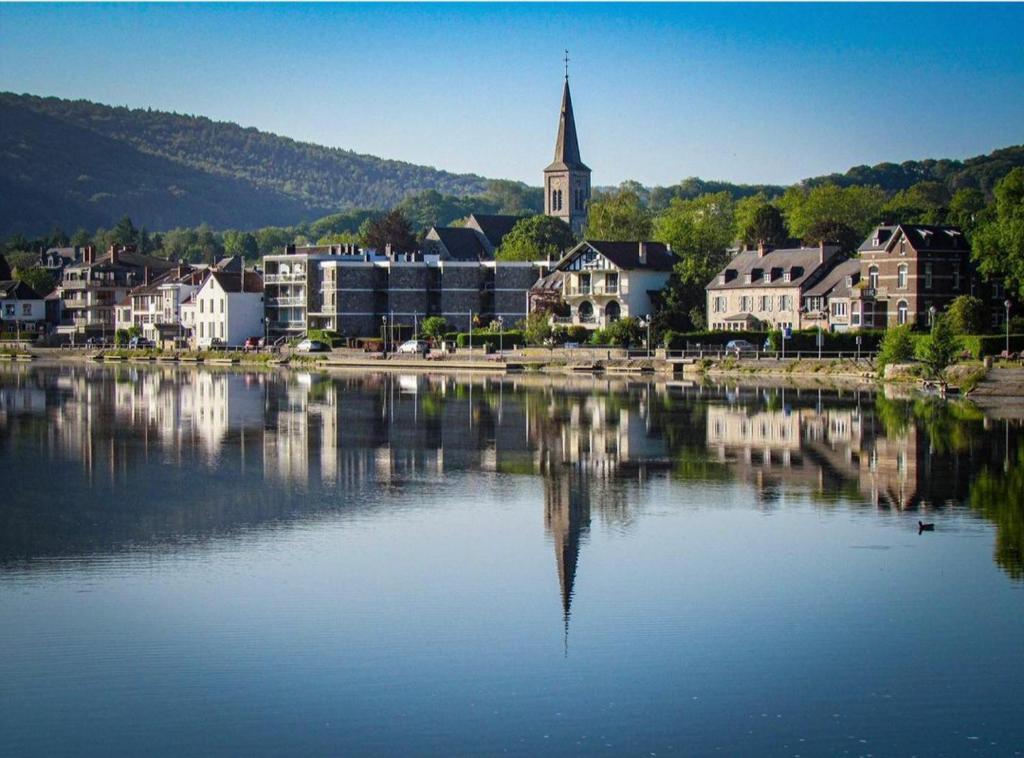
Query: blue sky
{"x": 752, "y": 93}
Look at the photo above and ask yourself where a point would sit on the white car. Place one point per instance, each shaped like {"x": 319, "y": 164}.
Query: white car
{"x": 414, "y": 347}
{"x": 312, "y": 346}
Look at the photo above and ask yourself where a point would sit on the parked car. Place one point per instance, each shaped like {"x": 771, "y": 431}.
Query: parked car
{"x": 312, "y": 346}
{"x": 96, "y": 342}
{"x": 414, "y": 347}
{"x": 216, "y": 342}
{"x": 740, "y": 346}
{"x": 139, "y": 343}
{"x": 253, "y": 343}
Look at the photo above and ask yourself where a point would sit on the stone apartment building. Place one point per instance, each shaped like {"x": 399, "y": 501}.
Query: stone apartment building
{"x": 766, "y": 287}
{"x": 356, "y": 292}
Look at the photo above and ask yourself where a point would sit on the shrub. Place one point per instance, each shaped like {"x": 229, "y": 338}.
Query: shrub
{"x": 940, "y": 348}
{"x": 967, "y": 315}
{"x": 897, "y": 347}
{"x": 434, "y": 327}
{"x": 327, "y": 336}
{"x": 536, "y": 328}
{"x": 491, "y": 339}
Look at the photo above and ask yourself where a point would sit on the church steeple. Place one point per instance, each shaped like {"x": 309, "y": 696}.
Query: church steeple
{"x": 567, "y": 179}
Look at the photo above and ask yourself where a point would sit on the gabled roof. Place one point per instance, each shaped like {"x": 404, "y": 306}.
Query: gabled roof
{"x": 833, "y": 284}
{"x": 15, "y": 290}
{"x": 493, "y": 226}
{"x": 919, "y": 236}
{"x": 232, "y": 282}
{"x": 803, "y": 264}
{"x": 625, "y": 255}
{"x": 461, "y": 243}
{"x": 567, "y": 148}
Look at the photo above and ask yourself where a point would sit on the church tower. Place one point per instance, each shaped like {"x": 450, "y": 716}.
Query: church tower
{"x": 567, "y": 179}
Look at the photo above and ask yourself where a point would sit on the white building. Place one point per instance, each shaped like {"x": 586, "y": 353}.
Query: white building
{"x": 605, "y": 281}
{"x": 20, "y": 305}
{"x": 228, "y": 308}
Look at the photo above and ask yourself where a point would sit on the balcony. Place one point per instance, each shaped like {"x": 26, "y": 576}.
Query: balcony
{"x": 285, "y": 302}
{"x": 292, "y": 278}
{"x": 597, "y": 290}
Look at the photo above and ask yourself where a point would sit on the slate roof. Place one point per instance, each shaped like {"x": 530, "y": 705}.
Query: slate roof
{"x": 626, "y": 255}
{"x": 126, "y": 260}
{"x": 803, "y": 264}
{"x": 920, "y": 236}
{"x": 833, "y": 284}
{"x": 15, "y": 290}
{"x": 567, "y": 148}
{"x": 231, "y": 282}
{"x": 493, "y": 226}
{"x": 462, "y": 244}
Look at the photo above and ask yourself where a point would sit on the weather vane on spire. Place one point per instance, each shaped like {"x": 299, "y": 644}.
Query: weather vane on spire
{"x": 566, "y": 65}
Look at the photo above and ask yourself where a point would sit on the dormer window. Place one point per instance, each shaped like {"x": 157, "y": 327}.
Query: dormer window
{"x": 721, "y": 278}
{"x": 748, "y": 278}
{"x": 787, "y": 276}
{"x": 849, "y": 281}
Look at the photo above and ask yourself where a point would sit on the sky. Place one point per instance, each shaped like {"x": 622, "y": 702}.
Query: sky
{"x": 746, "y": 93}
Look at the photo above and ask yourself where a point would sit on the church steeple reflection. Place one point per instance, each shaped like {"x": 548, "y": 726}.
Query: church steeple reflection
{"x": 567, "y": 520}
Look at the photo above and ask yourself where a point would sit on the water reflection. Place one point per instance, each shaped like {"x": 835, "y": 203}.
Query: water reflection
{"x": 122, "y": 457}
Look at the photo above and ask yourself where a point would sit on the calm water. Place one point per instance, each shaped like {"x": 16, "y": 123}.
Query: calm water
{"x": 200, "y": 563}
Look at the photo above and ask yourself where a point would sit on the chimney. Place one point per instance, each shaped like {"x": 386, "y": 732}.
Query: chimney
{"x": 289, "y": 249}
{"x": 642, "y": 253}
{"x": 113, "y": 254}
{"x": 821, "y": 251}
{"x": 146, "y": 275}
{"x": 87, "y": 254}
{"x": 761, "y": 249}
{"x": 387, "y": 250}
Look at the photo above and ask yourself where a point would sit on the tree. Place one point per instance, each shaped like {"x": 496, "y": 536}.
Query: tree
{"x": 897, "y": 346}
{"x": 536, "y": 238}
{"x": 842, "y": 213}
{"x": 924, "y": 203}
{"x": 618, "y": 216}
{"x": 700, "y": 232}
{"x": 536, "y": 327}
{"x": 37, "y": 278}
{"x": 967, "y": 315}
{"x": 124, "y": 233}
{"x": 939, "y": 349}
{"x": 757, "y": 220}
{"x": 998, "y": 244}
{"x": 241, "y": 243}
{"x": 434, "y": 327}
{"x": 391, "y": 228}
{"x": 965, "y": 208}
{"x": 81, "y": 238}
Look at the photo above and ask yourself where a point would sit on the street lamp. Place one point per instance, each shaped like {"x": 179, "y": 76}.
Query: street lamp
{"x": 1006, "y": 304}
{"x": 931, "y": 316}
{"x": 647, "y": 323}
{"x": 384, "y": 331}
{"x": 501, "y": 339}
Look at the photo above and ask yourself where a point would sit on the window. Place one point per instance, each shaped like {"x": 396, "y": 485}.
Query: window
{"x": 201, "y": 302}
{"x": 901, "y": 276}
{"x": 26, "y": 309}
{"x": 901, "y": 312}
{"x": 201, "y": 330}
{"x": 720, "y": 305}
{"x": 839, "y": 308}
{"x": 956, "y": 276}
{"x": 927, "y": 276}
{"x": 9, "y": 309}
{"x": 785, "y": 274}
{"x": 873, "y": 277}
{"x": 222, "y": 330}
{"x": 785, "y": 302}
{"x": 222, "y": 299}
{"x": 746, "y": 303}
{"x": 855, "y": 314}
{"x": 869, "y": 315}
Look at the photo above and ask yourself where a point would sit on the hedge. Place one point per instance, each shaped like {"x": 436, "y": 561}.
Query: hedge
{"x": 980, "y": 345}
{"x": 805, "y": 339}
{"x": 327, "y": 336}
{"x": 491, "y": 339}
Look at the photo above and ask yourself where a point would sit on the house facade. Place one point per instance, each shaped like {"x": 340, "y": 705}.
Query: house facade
{"x": 91, "y": 288}
{"x": 828, "y": 303}
{"x": 907, "y": 269}
{"x": 228, "y": 309}
{"x": 602, "y": 281}
{"x": 20, "y": 306}
{"x": 765, "y": 288}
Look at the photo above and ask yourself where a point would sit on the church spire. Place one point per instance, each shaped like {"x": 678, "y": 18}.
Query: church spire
{"x": 567, "y": 146}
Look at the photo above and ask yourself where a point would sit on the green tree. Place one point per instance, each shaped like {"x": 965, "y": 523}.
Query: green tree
{"x": 700, "y": 232}
{"x": 758, "y": 220}
{"x": 831, "y": 213}
{"x": 536, "y": 238}
{"x": 81, "y": 238}
{"x": 897, "y": 346}
{"x": 434, "y": 327}
{"x": 620, "y": 215}
{"x": 967, "y": 315}
{"x": 391, "y": 228}
{"x": 939, "y": 349}
{"x": 536, "y": 327}
{"x": 241, "y": 243}
{"x": 37, "y": 278}
{"x": 924, "y": 203}
{"x": 124, "y": 233}
{"x": 998, "y": 243}
{"x": 965, "y": 209}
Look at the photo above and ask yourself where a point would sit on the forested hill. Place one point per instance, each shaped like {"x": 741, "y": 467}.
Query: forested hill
{"x": 75, "y": 163}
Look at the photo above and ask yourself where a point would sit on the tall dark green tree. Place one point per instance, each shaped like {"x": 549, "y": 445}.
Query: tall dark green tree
{"x": 536, "y": 238}
{"x": 391, "y": 228}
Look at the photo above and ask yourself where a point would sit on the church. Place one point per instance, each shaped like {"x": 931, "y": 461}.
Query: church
{"x": 566, "y": 196}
